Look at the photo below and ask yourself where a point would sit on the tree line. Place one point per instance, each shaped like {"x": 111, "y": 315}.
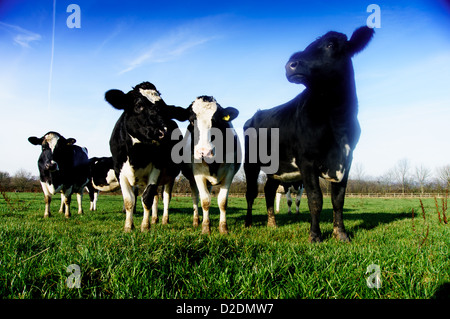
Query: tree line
{"x": 401, "y": 178}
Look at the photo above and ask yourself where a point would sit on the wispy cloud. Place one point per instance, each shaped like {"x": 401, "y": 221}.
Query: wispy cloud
{"x": 21, "y": 36}
{"x": 166, "y": 49}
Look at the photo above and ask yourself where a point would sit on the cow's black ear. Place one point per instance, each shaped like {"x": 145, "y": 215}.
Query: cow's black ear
{"x": 360, "y": 39}
{"x": 229, "y": 114}
{"x": 178, "y": 113}
{"x": 71, "y": 141}
{"x": 117, "y": 99}
{"x": 35, "y": 140}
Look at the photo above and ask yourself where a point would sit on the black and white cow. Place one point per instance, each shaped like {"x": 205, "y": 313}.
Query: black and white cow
{"x": 102, "y": 178}
{"x": 141, "y": 147}
{"x": 63, "y": 167}
{"x": 214, "y": 156}
{"x": 318, "y": 129}
{"x": 295, "y": 188}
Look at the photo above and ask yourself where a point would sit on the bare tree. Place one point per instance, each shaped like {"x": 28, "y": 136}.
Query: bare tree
{"x": 22, "y": 180}
{"x": 422, "y": 174}
{"x": 443, "y": 174}
{"x": 357, "y": 177}
{"x": 401, "y": 173}
{"x": 5, "y": 180}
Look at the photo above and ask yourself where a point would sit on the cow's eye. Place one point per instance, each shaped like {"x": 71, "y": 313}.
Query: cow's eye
{"x": 330, "y": 45}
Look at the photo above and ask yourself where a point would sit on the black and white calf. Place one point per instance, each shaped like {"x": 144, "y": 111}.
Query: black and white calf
{"x": 318, "y": 129}
{"x": 295, "y": 188}
{"x": 102, "y": 178}
{"x": 63, "y": 167}
{"x": 214, "y": 156}
{"x": 141, "y": 147}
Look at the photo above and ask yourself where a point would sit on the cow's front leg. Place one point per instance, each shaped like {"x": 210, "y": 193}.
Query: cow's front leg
{"x": 337, "y": 199}
{"x": 205, "y": 199}
{"x": 61, "y": 207}
{"x": 47, "y": 199}
{"x": 155, "y": 218}
{"x": 79, "y": 201}
{"x": 194, "y": 194}
{"x": 315, "y": 202}
{"x": 67, "y": 200}
{"x": 222, "y": 200}
{"x": 129, "y": 201}
{"x": 270, "y": 190}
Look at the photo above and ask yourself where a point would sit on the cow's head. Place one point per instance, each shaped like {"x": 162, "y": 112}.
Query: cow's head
{"x": 328, "y": 58}
{"x": 56, "y": 150}
{"x": 205, "y": 115}
{"x": 142, "y": 107}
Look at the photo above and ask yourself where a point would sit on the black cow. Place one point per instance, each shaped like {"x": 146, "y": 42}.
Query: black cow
{"x": 63, "y": 167}
{"x": 318, "y": 129}
{"x": 214, "y": 156}
{"x": 141, "y": 146}
{"x": 102, "y": 178}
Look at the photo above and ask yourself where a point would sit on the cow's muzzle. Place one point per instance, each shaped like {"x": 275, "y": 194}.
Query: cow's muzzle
{"x": 51, "y": 166}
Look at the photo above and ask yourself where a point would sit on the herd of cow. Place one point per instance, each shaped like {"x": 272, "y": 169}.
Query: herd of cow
{"x": 317, "y": 133}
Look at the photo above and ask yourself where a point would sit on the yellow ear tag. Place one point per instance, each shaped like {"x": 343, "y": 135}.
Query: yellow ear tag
{"x": 226, "y": 118}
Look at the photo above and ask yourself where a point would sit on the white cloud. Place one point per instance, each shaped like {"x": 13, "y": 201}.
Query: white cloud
{"x": 21, "y": 36}
{"x": 167, "y": 48}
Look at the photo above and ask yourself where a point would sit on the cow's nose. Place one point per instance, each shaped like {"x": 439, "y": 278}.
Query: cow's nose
{"x": 51, "y": 166}
{"x": 204, "y": 152}
{"x": 294, "y": 65}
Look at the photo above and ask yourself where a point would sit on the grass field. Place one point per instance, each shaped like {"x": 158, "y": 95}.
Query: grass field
{"x": 177, "y": 261}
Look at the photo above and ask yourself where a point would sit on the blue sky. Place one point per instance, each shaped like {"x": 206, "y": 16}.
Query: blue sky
{"x": 233, "y": 50}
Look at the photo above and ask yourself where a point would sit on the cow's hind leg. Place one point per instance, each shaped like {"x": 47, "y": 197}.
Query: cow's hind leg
{"x": 147, "y": 203}
{"x": 270, "y": 190}
{"x": 315, "y": 203}
{"x": 251, "y": 175}
{"x": 167, "y": 196}
{"x": 298, "y": 199}
{"x": 148, "y": 197}
{"x": 289, "y": 200}
{"x": 337, "y": 199}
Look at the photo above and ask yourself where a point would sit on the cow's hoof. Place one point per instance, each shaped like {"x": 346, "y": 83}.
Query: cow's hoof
{"x": 155, "y": 220}
{"x": 271, "y": 222}
{"x": 145, "y": 227}
{"x": 206, "y": 230}
{"x": 195, "y": 221}
{"x": 128, "y": 228}
{"x": 223, "y": 229}
{"x": 47, "y": 215}
{"x": 165, "y": 220}
{"x": 341, "y": 235}
{"x": 315, "y": 238}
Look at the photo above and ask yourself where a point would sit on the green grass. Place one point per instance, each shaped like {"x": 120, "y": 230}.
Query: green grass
{"x": 177, "y": 261}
